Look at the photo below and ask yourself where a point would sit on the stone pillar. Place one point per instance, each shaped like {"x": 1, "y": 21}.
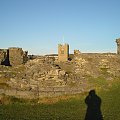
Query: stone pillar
{"x": 63, "y": 52}
{"x": 118, "y": 46}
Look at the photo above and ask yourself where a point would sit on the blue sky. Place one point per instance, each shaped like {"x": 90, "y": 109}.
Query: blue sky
{"x": 39, "y": 25}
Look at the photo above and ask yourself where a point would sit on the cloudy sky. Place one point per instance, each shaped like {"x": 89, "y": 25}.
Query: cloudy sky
{"x": 39, "y": 25}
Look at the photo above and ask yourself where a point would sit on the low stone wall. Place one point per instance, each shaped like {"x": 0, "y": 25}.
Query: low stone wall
{"x": 41, "y": 93}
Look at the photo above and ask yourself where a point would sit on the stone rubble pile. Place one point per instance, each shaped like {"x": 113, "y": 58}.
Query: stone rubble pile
{"x": 43, "y": 76}
{"x": 39, "y": 73}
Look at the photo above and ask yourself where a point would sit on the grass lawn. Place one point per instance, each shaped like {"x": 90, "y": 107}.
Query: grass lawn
{"x": 73, "y": 108}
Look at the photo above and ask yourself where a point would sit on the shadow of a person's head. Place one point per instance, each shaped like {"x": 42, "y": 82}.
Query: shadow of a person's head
{"x": 92, "y": 92}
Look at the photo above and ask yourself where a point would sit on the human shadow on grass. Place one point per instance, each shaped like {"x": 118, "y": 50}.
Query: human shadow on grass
{"x": 93, "y": 103}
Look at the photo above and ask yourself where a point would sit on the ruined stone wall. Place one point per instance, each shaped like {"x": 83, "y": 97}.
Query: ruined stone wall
{"x": 25, "y": 57}
{"x": 97, "y": 63}
{"x": 77, "y": 52}
{"x": 17, "y": 56}
{"x": 118, "y": 46}
{"x": 3, "y": 55}
{"x": 63, "y": 52}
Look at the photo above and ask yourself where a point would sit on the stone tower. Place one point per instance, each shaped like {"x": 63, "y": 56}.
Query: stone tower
{"x": 118, "y": 45}
{"x": 63, "y": 52}
{"x": 17, "y": 56}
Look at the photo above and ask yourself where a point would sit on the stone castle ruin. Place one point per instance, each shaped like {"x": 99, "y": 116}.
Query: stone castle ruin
{"x": 63, "y": 52}
{"x": 56, "y": 74}
{"x": 16, "y": 56}
{"x": 13, "y": 56}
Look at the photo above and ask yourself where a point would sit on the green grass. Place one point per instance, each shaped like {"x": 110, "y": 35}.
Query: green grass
{"x": 67, "y": 110}
{"x": 111, "y": 102}
{"x": 73, "y": 108}
{"x": 98, "y": 82}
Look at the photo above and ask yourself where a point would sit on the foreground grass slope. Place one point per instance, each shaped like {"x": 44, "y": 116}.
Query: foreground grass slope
{"x": 73, "y": 108}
